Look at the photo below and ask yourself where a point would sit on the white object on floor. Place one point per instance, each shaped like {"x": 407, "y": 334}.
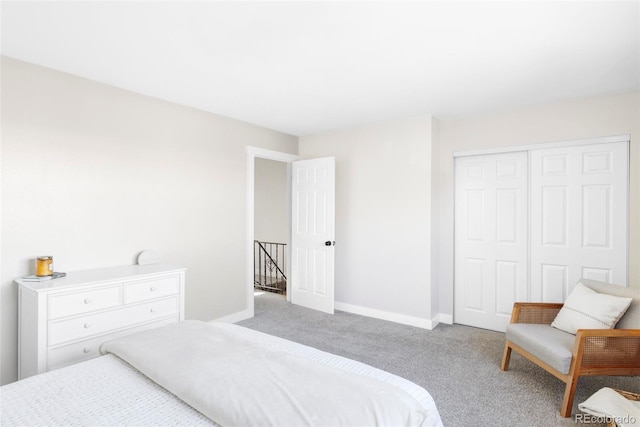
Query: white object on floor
{"x": 606, "y": 402}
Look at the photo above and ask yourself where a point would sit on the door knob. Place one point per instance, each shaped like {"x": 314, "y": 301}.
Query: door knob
{"x": 330, "y": 243}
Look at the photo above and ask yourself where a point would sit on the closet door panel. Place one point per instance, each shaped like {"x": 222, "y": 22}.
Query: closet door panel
{"x": 596, "y": 216}
{"x": 507, "y": 277}
{"x": 490, "y": 238}
{"x": 554, "y": 216}
{"x": 578, "y": 217}
{"x": 554, "y": 282}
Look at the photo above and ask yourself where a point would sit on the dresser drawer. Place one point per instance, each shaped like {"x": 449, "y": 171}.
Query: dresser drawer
{"x": 82, "y": 327}
{"x": 72, "y": 353}
{"x": 84, "y": 350}
{"x": 83, "y": 302}
{"x": 149, "y": 289}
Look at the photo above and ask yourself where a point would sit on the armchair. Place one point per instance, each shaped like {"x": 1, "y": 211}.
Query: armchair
{"x": 567, "y": 356}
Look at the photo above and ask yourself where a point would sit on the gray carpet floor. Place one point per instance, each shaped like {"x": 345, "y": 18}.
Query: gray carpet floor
{"x": 458, "y": 365}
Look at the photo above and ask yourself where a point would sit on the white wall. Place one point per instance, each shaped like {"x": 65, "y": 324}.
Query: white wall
{"x": 383, "y": 211}
{"x": 92, "y": 175}
{"x": 579, "y": 119}
{"x": 271, "y": 201}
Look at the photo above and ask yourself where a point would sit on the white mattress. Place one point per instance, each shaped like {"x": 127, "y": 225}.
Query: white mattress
{"x": 108, "y": 391}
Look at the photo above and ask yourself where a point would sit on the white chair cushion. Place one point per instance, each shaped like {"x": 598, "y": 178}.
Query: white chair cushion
{"x": 587, "y": 309}
{"x": 548, "y": 344}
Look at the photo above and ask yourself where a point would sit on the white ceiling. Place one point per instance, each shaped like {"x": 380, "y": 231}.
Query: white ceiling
{"x": 306, "y": 67}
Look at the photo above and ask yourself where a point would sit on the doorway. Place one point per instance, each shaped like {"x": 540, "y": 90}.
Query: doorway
{"x": 311, "y": 269}
{"x": 258, "y": 154}
{"x": 271, "y": 226}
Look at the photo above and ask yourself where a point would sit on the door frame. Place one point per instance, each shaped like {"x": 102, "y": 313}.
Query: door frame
{"x": 252, "y": 154}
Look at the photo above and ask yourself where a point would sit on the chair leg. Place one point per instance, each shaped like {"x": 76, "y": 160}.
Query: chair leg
{"x": 506, "y": 357}
{"x": 569, "y": 393}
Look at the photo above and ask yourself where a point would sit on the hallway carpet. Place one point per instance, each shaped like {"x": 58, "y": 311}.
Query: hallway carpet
{"x": 458, "y": 365}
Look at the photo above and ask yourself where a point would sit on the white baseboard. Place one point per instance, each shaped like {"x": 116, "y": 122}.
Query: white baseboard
{"x": 447, "y": 319}
{"x": 418, "y": 322}
{"x": 234, "y": 317}
{"x": 403, "y": 319}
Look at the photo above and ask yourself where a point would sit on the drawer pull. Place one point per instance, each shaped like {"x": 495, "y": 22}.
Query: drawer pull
{"x": 87, "y": 300}
{"x": 87, "y": 325}
{"x": 152, "y": 310}
{"x": 152, "y": 289}
{"x": 86, "y": 350}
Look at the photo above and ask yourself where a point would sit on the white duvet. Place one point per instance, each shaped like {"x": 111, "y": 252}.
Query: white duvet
{"x": 240, "y": 382}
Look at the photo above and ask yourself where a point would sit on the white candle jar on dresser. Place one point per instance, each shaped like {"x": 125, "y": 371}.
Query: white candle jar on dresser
{"x": 64, "y": 321}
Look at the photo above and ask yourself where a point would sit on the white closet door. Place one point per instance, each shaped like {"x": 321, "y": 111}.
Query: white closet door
{"x": 578, "y": 217}
{"x": 490, "y": 238}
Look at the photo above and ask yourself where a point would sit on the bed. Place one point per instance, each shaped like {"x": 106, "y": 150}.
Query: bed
{"x": 199, "y": 373}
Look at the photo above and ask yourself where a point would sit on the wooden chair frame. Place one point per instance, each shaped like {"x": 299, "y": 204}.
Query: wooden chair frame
{"x": 596, "y": 352}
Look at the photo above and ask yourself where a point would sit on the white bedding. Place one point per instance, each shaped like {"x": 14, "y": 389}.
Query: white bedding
{"x": 107, "y": 391}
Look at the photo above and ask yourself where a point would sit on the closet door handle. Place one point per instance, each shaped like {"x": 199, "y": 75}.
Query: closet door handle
{"x": 330, "y": 243}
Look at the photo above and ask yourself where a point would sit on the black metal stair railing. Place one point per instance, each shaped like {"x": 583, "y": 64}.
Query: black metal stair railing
{"x": 269, "y": 265}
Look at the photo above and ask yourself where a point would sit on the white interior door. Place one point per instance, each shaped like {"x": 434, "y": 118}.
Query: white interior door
{"x": 313, "y": 233}
{"x": 491, "y": 225}
{"x": 578, "y": 218}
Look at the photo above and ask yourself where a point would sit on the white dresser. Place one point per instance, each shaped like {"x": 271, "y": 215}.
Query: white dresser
{"x": 64, "y": 321}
